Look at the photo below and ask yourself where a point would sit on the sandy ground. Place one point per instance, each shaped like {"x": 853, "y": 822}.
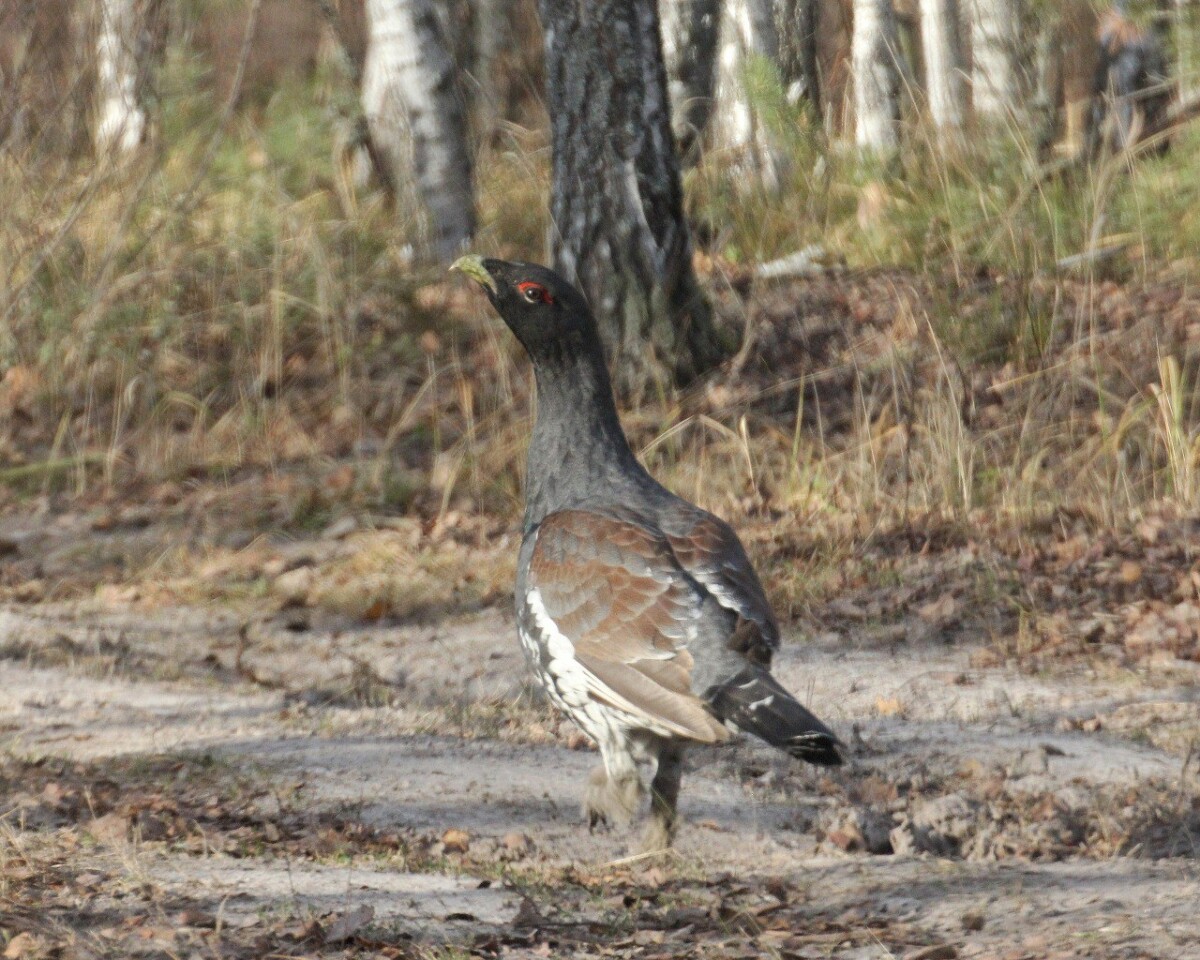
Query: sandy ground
{"x": 1011, "y": 815}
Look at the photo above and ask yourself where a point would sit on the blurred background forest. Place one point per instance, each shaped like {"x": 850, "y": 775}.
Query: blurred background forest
{"x": 261, "y": 461}
{"x": 956, "y": 286}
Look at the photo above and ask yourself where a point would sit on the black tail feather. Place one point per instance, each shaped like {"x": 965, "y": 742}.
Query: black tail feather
{"x": 756, "y": 703}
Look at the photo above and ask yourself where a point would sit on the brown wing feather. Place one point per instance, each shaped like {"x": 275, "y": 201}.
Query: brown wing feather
{"x": 628, "y": 687}
{"x": 616, "y": 592}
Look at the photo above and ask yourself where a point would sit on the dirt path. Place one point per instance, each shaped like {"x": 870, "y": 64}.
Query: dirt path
{"x": 987, "y": 812}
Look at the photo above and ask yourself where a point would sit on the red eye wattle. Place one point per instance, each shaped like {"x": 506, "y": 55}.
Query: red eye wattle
{"x": 534, "y": 292}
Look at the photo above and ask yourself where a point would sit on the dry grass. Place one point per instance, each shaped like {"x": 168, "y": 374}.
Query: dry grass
{"x": 231, "y": 306}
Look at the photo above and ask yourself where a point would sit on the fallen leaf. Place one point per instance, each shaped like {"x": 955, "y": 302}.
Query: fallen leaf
{"x": 456, "y": 841}
{"x": 294, "y": 586}
{"x": 888, "y": 706}
{"x": 654, "y": 877}
{"x": 516, "y": 844}
{"x": 348, "y": 924}
{"x": 377, "y": 610}
{"x": 985, "y": 659}
{"x": 848, "y": 840}
{"x": 1131, "y": 572}
{"x": 196, "y": 918}
{"x": 941, "y": 951}
{"x": 21, "y": 946}
{"x": 151, "y": 828}
{"x": 528, "y": 915}
{"x": 112, "y": 828}
{"x": 941, "y": 610}
{"x": 310, "y": 930}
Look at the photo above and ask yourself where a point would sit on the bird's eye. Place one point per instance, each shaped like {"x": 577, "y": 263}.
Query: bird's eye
{"x": 534, "y": 292}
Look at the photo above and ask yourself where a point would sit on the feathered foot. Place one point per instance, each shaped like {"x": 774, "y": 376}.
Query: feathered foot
{"x": 611, "y": 802}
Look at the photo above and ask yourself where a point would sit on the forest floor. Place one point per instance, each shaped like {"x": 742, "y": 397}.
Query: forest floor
{"x": 252, "y": 779}
{"x": 220, "y": 737}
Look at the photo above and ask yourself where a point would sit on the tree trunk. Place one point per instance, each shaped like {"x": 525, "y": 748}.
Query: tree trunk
{"x": 616, "y": 208}
{"x": 494, "y": 37}
{"x": 417, "y": 120}
{"x": 994, "y": 39}
{"x": 796, "y": 24}
{"x": 910, "y": 58}
{"x": 748, "y": 43}
{"x": 943, "y": 66}
{"x": 1185, "y": 48}
{"x": 690, "y": 29}
{"x": 120, "y": 117}
{"x": 874, "y": 50}
{"x": 1048, "y": 88}
{"x": 46, "y": 51}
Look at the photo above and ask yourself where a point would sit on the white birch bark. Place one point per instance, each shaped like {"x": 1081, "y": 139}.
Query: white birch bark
{"x": 874, "y": 52}
{"x": 994, "y": 38}
{"x": 748, "y": 32}
{"x": 689, "y": 35}
{"x": 417, "y": 120}
{"x": 944, "y": 86}
{"x": 120, "y": 118}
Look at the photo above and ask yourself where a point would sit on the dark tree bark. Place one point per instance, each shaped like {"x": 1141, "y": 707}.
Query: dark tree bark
{"x": 618, "y": 229}
{"x": 690, "y": 30}
{"x": 799, "y": 63}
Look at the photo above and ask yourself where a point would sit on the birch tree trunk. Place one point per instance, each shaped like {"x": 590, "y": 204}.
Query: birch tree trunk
{"x": 494, "y": 36}
{"x": 994, "y": 38}
{"x": 690, "y": 30}
{"x": 1048, "y": 87}
{"x": 616, "y": 207}
{"x": 120, "y": 117}
{"x": 417, "y": 120}
{"x": 1185, "y": 47}
{"x": 944, "y": 85}
{"x": 796, "y": 24}
{"x": 874, "y": 49}
{"x": 748, "y": 42}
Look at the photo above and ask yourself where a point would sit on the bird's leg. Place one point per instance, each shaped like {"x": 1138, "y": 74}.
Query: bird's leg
{"x": 613, "y": 791}
{"x": 594, "y": 806}
{"x": 664, "y": 799}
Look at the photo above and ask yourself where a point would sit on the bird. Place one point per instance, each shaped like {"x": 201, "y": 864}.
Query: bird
{"x": 640, "y": 613}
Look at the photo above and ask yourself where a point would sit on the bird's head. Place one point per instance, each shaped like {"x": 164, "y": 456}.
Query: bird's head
{"x": 548, "y": 315}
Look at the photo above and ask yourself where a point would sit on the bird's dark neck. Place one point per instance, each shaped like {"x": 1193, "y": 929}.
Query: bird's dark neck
{"x": 579, "y": 453}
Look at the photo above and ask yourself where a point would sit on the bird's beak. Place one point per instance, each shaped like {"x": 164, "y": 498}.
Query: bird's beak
{"x": 472, "y": 266}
